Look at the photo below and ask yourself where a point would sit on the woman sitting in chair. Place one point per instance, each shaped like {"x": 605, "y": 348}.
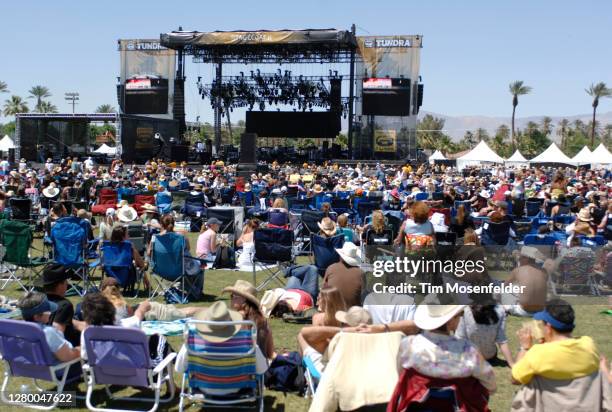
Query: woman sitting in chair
{"x": 417, "y": 230}
{"x": 120, "y": 234}
{"x": 278, "y": 215}
{"x": 246, "y": 240}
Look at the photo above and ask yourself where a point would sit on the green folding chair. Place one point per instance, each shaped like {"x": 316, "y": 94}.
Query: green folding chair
{"x": 16, "y": 238}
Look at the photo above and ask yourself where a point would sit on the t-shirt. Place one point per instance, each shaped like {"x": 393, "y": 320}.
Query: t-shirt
{"x": 485, "y": 337}
{"x": 63, "y": 316}
{"x": 565, "y": 359}
{"x": 387, "y": 308}
{"x": 347, "y": 279}
{"x": 298, "y": 299}
{"x": 413, "y": 228}
{"x": 54, "y": 338}
{"x": 204, "y": 240}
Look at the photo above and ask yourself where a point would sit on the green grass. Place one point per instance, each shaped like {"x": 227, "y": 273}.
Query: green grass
{"x": 589, "y": 322}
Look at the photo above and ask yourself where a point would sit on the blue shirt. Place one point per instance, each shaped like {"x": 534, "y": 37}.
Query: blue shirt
{"x": 55, "y": 338}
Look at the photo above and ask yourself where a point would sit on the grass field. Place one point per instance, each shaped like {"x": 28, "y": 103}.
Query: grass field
{"x": 589, "y": 322}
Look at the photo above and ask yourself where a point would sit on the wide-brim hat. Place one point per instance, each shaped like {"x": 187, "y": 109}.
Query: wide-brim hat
{"x": 127, "y": 214}
{"x": 350, "y": 254}
{"x": 431, "y": 317}
{"x": 532, "y": 253}
{"x": 270, "y": 299}
{"x": 50, "y": 191}
{"x": 584, "y": 215}
{"x": 54, "y": 273}
{"x": 355, "y": 316}
{"x": 395, "y": 193}
{"x": 327, "y": 226}
{"x": 217, "y": 312}
{"x": 317, "y": 188}
{"x": 244, "y": 289}
{"x": 485, "y": 194}
{"x": 147, "y": 207}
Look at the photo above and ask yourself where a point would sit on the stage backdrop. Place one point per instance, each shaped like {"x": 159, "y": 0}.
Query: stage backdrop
{"x": 395, "y": 57}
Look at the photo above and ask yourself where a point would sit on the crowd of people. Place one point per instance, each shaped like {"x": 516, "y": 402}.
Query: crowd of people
{"x": 419, "y": 343}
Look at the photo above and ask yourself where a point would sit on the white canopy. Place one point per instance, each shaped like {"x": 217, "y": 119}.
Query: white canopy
{"x": 552, "y": 155}
{"x": 583, "y": 157}
{"x": 600, "y": 156}
{"x": 437, "y": 155}
{"x": 482, "y": 153}
{"x": 517, "y": 157}
{"x": 104, "y": 149}
{"x": 6, "y": 143}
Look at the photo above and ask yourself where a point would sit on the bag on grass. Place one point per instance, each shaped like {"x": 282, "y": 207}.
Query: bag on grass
{"x": 286, "y": 374}
{"x": 225, "y": 258}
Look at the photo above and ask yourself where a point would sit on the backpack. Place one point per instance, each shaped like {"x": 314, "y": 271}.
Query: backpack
{"x": 286, "y": 374}
{"x": 225, "y": 258}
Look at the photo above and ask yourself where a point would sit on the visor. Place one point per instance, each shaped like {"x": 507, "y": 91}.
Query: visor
{"x": 42, "y": 307}
{"x": 557, "y": 324}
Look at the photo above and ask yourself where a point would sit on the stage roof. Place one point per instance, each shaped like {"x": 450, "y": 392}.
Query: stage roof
{"x": 66, "y": 117}
{"x": 263, "y": 45}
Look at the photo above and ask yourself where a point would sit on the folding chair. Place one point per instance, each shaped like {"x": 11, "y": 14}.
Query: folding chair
{"x": 120, "y": 356}
{"x": 593, "y": 241}
{"x": 562, "y": 221}
{"x": 273, "y": 249}
{"x": 324, "y": 251}
{"x": 576, "y": 273}
{"x": 278, "y": 218}
{"x": 21, "y": 209}
{"x": 533, "y": 208}
{"x": 298, "y": 205}
{"x": 26, "y": 354}
{"x": 247, "y": 199}
{"x": 137, "y": 236}
{"x": 312, "y": 375}
{"x": 374, "y": 240}
{"x": 420, "y": 196}
{"x": 168, "y": 265}
{"x": 365, "y": 209}
{"x": 16, "y": 238}
{"x": 466, "y": 205}
{"x": 342, "y": 205}
{"x": 178, "y": 200}
{"x": 227, "y": 196}
{"x": 228, "y": 365}
{"x": 307, "y": 227}
{"x": 117, "y": 262}
{"x": 495, "y": 234}
{"x": 107, "y": 198}
{"x": 446, "y": 238}
{"x": 163, "y": 201}
{"x": 227, "y": 217}
{"x": 195, "y": 210}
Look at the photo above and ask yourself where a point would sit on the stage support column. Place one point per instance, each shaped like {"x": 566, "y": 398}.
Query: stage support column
{"x": 351, "y": 98}
{"x": 218, "y": 80}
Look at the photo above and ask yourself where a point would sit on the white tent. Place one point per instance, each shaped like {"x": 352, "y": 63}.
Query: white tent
{"x": 583, "y": 157}
{"x": 516, "y": 159}
{"x": 104, "y": 149}
{"x": 482, "y": 153}
{"x": 6, "y": 143}
{"x": 437, "y": 155}
{"x": 600, "y": 156}
{"x": 552, "y": 155}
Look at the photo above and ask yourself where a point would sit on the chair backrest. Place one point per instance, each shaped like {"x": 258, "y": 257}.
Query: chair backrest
{"x": 16, "y": 237}
{"x": 107, "y": 196}
{"x": 385, "y": 238}
{"x": 273, "y": 245}
{"x": 366, "y": 208}
{"x": 546, "y": 240}
{"x": 117, "y": 260}
{"x": 118, "y": 355}
{"x": 68, "y": 237}
{"x": 324, "y": 250}
{"x": 228, "y": 365}
{"x": 168, "y": 252}
{"x": 164, "y": 202}
{"x": 466, "y": 205}
{"x": 436, "y": 196}
{"x": 446, "y": 238}
{"x": 194, "y": 205}
{"x": 278, "y": 217}
{"x": 496, "y": 233}
{"x": 227, "y": 195}
{"x": 20, "y": 208}
{"x": 24, "y": 347}
{"x": 226, "y": 216}
{"x": 341, "y": 204}
{"x": 299, "y": 204}
{"x": 592, "y": 241}
{"x": 421, "y": 196}
{"x": 576, "y": 266}
{"x": 533, "y": 208}
{"x": 309, "y": 219}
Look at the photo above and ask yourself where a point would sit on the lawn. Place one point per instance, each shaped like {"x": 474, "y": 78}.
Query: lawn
{"x": 589, "y": 322}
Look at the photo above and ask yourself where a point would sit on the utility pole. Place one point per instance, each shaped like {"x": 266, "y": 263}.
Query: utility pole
{"x": 71, "y": 98}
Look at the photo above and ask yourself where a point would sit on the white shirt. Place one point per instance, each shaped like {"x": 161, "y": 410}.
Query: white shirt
{"x": 386, "y": 308}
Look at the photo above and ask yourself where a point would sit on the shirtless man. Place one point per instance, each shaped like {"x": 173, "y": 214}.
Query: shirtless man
{"x": 534, "y": 279}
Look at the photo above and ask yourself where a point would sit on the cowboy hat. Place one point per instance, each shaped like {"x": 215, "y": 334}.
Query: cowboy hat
{"x": 247, "y": 187}
{"x": 584, "y": 215}
{"x": 245, "y": 289}
{"x": 147, "y": 207}
{"x": 317, "y": 188}
{"x": 431, "y": 317}
{"x": 327, "y": 226}
{"x": 217, "y": 312}
{"x": 270, "y": 299}
{"x": 350, "y": 254}
{"x": 395, "y": 193}
{"x": 355, "y": 316}
{"x": 50, "y": 191}
{"x": 127, "y": 214}
{"x": 484, "y": 194}
{"x": 532, "y": 253}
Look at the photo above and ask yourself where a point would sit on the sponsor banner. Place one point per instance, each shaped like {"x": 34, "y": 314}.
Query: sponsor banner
{"x": 385, "y": 141}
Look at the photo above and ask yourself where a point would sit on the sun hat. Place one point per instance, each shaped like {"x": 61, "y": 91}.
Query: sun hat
{"x": 245, "y": 289}
{"x": 127, "y": 214}
{"x": 317, "y": 188}
{"x": 584, "y": 215}
{"x": 53, "y": 273}
{"x": 350, "y": 254}
{"x": 355, "y": 316}
{"x": 484, "y": 194}
{"x": 45, "y": 306}
{"x": 532, "y": 253}
{"x": 431, "y": 317}
{"x": 51, "y": 190}
{"x": 217, "y": 312}
{"x": 147, "y": 207}
{"x": 270, "y": 299}
{"x": 327, "y": 226}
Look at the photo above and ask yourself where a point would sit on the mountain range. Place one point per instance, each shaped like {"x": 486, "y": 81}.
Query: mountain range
{"x": 456, "y": 126}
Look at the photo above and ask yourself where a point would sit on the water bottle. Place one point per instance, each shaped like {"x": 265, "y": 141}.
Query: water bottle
{"x": 24, "y": 388}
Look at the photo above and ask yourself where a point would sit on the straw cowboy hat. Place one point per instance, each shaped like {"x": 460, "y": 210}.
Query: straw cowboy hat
{"x": 51, "y": 190}
{"x": 327, "y": 226}
{"x": 584, "y": 215}
{"x": 350, "y": 254}
{"x": 127, "y": 214}
{"x": 147, "y": 207}
{"x": 532, "y": 253}
{"x": 355, "y": 316}
{"x": 217, "y": 312}
{"x": 317, "y": 188}
{"x": 270, "y": 299}
{"x": 431, "y": 317}
{"x": 244, "y": 289}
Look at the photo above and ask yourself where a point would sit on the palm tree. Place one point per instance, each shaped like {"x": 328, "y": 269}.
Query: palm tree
{"x": 546, "y": 125}
{"x": 39, "y": 93}
{"x": 3, "y": 87}
{"x": 105, "y": 108}
{"x": 517, "y": 88}
{"x": 15, "y": 105}
{"x": 596, "y": 91}
{"x": 562, "y": 131}
{"x": 47, "y": 107}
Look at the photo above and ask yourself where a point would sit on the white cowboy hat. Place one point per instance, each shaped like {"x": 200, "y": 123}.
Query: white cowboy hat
{"x": 431, "y": 317}
{"x": 149, "y": 208}
{"x": 532, "y": 253}
{"x": 327, "y": 226}
{"x": 50, "y": 191}
{"x": 270, "y": 299}
{"x": 217, "y": 312}
{"x": 484, "y": 194}
{"x": 127, "y": 214}
{"x": 350, "y": 254}
{"x": 355, "y": 316}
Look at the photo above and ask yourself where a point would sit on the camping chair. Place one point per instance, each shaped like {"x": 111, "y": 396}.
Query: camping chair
{"x": 120, "y": 356}
{"x": 593, "y": 241}
{"x": 273, "y": 248}
{"x": 278, "y": 218}
{"x": 307, "y": 227}
{"x": 495, "y": 238}
{"x": 26, "y": 354}
{"x": 163, "y": 201}
{"x": 178, "y": 200}
{"x": 69, "y": 240}
{"x": 226, "y": 195}
{"x": 324, "y": 251}
{"x": 194, "y": 210}
{"x": 16, "y": 237}
{"x": 312, "y": 376}
{"x": 228, "y": 365}
{"x": 421, "y": 196}
{"x": 562, "y": 221}
{"x": 365, "y": 209}
{"x": 117, "y": 262}
{"x": 138, "y": 237}
{"x": 227, "y": 217}
{"x": 168, "y": 266}
{"x": 21, "y": 209}
{"x": 378, "y": 244}
{"x": 466, "y": 205}
{"x": 298, "y": 205}
{"x": 141, "y": 199}
{"x": 342, "y": 205}
{"x": 107, "y": 198}
{"x": 576, "y": 273}
{"x": 533, "y": 208}
{"x": 247, "y": 199}
{"x": 446, "y": 238}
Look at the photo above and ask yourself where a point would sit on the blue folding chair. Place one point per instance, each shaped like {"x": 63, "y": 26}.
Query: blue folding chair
{"x": 163, "y": 201}
{"x": 537, "y": 240}
{"x": 117, "y": 262}
{"x": 593, "y": 241}
{"x": 421, "y": 196}
{"x": 273, "y": 249}
{"x": 324, "y": 251}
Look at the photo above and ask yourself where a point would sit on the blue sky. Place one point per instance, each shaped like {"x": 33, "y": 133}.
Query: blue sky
{"x": 472, "y": 49}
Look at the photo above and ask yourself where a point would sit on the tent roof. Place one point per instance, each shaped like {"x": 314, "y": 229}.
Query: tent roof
{"x": 583, "y": 157}
{"x": 437, "y": 155}
{"x": 482, "y": 153}
{"x": 105, "y": 149}
{"x": 601, "y": 155}
{"x": 552, "y": 155}
{"x": 6, "y": 143}
{"x": 517, "y": 157}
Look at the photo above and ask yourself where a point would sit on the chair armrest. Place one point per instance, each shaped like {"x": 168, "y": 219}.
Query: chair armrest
{"x": 163, "y": 364}
{"x": 65, "y": 364}
{"x": 195, "y": 258}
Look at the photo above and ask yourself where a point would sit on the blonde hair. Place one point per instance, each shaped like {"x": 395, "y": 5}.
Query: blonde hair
{"x": 378, "y": 221}
{"x": 331, "y": 302}
{"x": 342, "y": 220}
{"x": 279, "y": 203}
{"x": 111, "y": 291}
